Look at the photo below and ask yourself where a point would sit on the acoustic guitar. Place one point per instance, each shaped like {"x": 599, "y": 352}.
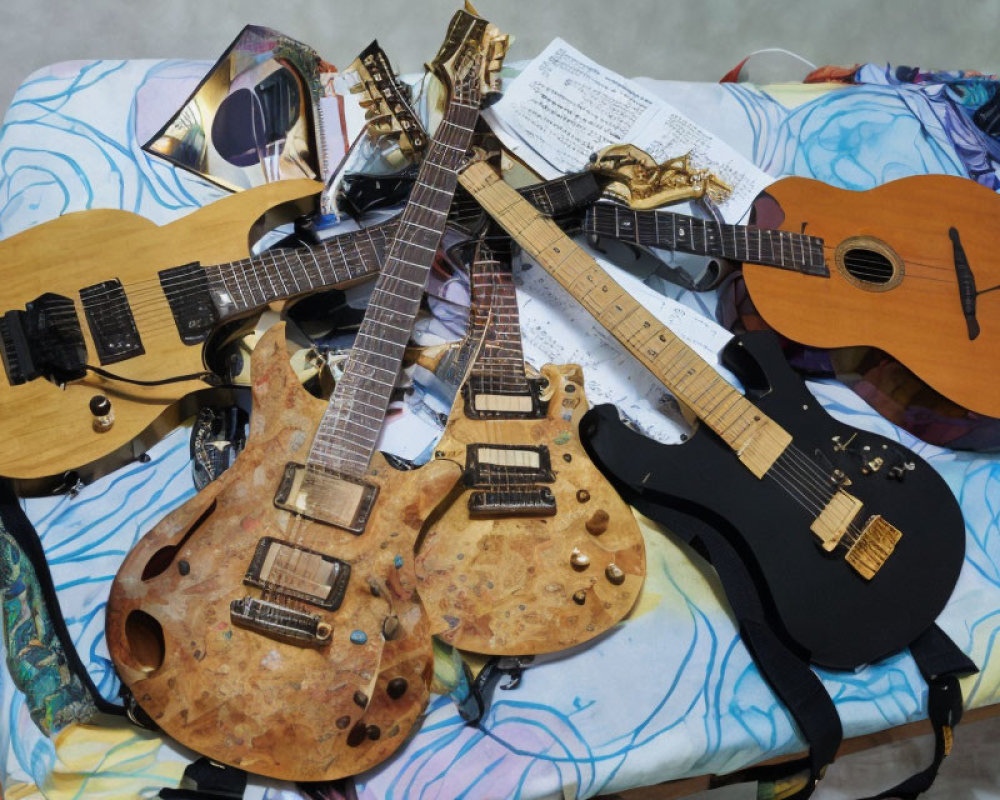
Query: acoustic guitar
{"x": 538, "y": 553}
{"x": 907, "y": 267}
{"x": 855, "y": 541}
{"x": 272, "y": 621}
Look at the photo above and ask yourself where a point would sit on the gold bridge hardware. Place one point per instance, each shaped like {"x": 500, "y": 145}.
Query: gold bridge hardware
{"x": 875, "y": 544}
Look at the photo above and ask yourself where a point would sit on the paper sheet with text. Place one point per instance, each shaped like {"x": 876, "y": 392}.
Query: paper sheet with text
{"x": 557, "y": 329}
{"x": 563, "y": 107}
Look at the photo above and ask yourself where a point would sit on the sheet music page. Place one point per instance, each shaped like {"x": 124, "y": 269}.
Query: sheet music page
{"x": 563, "y": 107}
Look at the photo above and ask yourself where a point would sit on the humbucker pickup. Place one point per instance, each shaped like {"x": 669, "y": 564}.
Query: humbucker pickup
{"x": 295, "y": 571}
{"x": 281, "y": 623}
{"x": 538, "y": 502}
{"x": 326, "y": 496}
{"x": 494, "y": 466}
{"x": 112, "y": 324}
{"x": 186, "y": 290}
{"x": 487, "y": 397}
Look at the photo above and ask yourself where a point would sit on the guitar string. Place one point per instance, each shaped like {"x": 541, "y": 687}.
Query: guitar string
{"x": 163, "y": 319}
{"x": 319, "y": 452}
{"x": 797, "y": 485}
{"x": 173, "y": 289}
{"x": 253, "y": 266}
{"x": 634, "y": 237}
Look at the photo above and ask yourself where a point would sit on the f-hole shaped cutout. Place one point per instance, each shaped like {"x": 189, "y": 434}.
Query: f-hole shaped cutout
{"x": 144, "y": 636}
{"x": 164, "y": 557}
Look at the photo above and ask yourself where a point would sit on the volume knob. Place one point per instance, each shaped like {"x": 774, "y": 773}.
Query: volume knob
{"x": 104, "y": 416}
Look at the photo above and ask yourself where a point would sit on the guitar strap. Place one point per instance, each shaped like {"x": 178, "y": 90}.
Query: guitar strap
{"x": 24, "y": 573}
{"x": 634, "y": 473}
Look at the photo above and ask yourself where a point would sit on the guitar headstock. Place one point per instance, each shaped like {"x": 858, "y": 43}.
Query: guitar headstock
{"x": 386, "y": 103}
{"x": 638, "y": 180}
{"x": 469, "y": 60}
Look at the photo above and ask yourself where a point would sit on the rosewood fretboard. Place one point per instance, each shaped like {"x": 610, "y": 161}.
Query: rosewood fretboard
{"x": 349, "y": 430}
{"x": 241, "y": 286}
{"x": 744, "y": 243}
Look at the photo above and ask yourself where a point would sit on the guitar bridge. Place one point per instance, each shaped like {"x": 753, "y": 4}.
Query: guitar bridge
{"x": 512, "y": 503}
{"x": 281, "y": 623}
{"x": 873, "y": 547}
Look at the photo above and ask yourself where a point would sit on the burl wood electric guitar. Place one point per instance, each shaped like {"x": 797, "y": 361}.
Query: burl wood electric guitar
{"x": 856, "y": 542}
{"x": 908, "y": 267}
{"x": 272, "y": 622}
{"x": 538, "y": 553}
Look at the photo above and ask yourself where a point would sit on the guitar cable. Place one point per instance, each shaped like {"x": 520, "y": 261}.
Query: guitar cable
{"x": 208, "y": 377}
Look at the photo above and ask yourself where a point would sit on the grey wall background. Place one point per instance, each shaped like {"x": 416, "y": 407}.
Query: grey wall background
{"x": 678, "y": 39}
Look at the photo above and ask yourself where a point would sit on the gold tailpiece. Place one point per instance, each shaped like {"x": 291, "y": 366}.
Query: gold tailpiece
{"x": 873, "y": 547}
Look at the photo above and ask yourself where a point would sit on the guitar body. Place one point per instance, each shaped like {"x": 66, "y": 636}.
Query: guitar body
{"x": 507, "y": 584}
{"x": 49, "y": 429}
{"x": 289, "y": 711}
{"x": 913, "y": 309}
{"x": 836, "y": 617}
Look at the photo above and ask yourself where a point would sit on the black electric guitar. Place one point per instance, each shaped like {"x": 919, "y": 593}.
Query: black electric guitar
{"x": 856, "y": 542}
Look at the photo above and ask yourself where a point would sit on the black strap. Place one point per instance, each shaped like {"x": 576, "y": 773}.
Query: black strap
{"x": 205, "y": 779}
{"x": 633, "y": 472}
{"x": 632, "y": 469}
{"x": 17, "y": 524}
{"x": 941, "y": 663}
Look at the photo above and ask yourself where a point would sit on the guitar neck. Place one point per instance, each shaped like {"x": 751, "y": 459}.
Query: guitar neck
{"x": 756, "y": 439}
{"x": 670, "y": 231}
{"x": 493, "y": 317}
{"x": 242, "y": 286}
{"x": 349, "y": 430}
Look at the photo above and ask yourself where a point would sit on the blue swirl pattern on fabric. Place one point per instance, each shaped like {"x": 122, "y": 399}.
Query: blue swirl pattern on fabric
{"x": 669, "y": 693}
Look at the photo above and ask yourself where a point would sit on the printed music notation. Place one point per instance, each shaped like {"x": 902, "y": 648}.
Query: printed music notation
{"x": 563, "y": 107}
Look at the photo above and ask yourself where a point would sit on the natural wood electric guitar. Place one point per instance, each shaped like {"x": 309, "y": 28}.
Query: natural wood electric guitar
{"x": 856, "y": 543}
{"x": 272, "y": 622}
{"x": 107, "y": 320}
{"x": 909, "y": 267}
{"x": 538, "y": 553}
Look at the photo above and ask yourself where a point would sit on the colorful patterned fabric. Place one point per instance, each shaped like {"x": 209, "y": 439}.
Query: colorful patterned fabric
{"x": 669, "y": 693}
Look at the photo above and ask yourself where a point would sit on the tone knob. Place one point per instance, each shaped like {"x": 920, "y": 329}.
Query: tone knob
{"x": 100, "y": 406}
{"x": 598, "y": 522}
{"x": 104, "y": 416}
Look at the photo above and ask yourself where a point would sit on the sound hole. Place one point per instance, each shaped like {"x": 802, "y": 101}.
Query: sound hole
{"x": 867, "y": 265}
